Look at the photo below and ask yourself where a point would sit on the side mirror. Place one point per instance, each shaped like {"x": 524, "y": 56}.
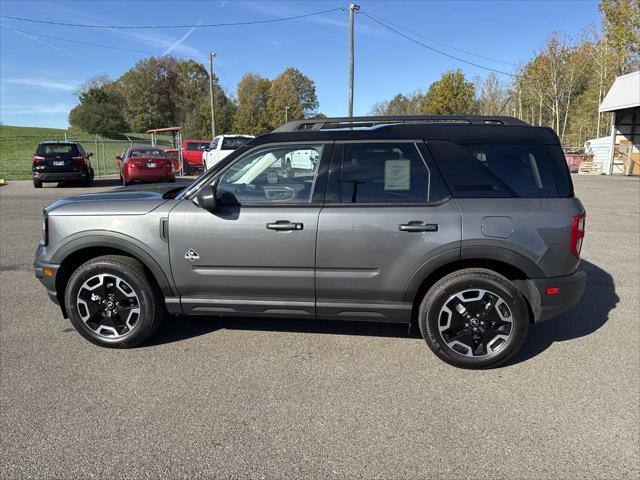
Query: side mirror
{"x": 89, "y": 154}
{"x": 207, "y": 198}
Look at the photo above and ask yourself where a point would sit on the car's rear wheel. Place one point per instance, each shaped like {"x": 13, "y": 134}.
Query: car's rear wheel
{"x": 112, "y": 302}
{"x": 474, "y": 318}
{"x": 37, "y": 183}
{"x": 124, "y": 182}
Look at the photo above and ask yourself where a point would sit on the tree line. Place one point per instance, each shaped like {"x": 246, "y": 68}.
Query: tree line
{"x": 561, "y": 86}
{"x": 164, "y": 91}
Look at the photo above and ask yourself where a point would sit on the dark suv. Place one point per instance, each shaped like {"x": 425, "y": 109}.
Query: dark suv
{"x": 61, "y": 162}
{"x": 464, "y": 226}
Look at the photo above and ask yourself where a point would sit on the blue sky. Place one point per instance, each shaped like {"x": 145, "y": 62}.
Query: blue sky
{"x": 38, "y": 74}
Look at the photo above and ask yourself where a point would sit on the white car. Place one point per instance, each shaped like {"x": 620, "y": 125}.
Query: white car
{"x": 221, "y": 146}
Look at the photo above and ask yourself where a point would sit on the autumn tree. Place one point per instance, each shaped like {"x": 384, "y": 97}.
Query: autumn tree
{"x": 294, "y": 90}
{"x": 399, "y": 105}
{"x": 252, "y": 96}
{"x": 452, "y": 94}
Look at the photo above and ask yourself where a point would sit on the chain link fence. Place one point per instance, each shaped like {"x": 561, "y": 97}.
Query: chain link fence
{"x": 16, "y": 152}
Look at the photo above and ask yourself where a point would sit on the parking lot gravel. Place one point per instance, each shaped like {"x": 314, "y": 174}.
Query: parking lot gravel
{"x": 245, "y": 398}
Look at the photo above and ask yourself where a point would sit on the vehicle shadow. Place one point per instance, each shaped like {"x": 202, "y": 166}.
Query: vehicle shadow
{"x": 182, "y": 327}
{"x": 591, "y": 313}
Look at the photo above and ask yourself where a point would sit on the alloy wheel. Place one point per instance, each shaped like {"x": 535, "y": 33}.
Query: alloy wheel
{"x": 475, "y": 323}
{"x": 108, "y": 305}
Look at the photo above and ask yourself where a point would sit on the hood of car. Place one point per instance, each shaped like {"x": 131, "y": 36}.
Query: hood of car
{"x": 120, "y": 201}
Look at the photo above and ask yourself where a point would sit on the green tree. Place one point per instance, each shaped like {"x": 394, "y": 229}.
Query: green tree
{"x": 99, "y": 110}
{"x": 152, "y": 92}
{"x": 252, "y": 98}
{"x": 294, "y": 90}
{"x": 452, "y": 94}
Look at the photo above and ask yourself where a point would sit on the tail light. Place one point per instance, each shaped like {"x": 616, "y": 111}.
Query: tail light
{"x": 79, "y": 159}
{"x": 37, "y": 159}
{"x": 577, "y": 234}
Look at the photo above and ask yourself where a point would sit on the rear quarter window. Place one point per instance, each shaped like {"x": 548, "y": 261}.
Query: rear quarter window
{"x": 508, "y": 171}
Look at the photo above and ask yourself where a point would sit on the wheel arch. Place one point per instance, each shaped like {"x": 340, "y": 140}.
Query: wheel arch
{"x": 77, "y": 252}
{"x": 520, "y": 271}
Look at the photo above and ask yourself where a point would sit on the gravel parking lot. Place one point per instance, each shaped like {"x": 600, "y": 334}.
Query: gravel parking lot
{"x": 297, "y": 399}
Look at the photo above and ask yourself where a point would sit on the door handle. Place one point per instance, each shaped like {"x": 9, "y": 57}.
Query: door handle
{"x": 417, "y": 226}
{"x": 284, "y": 225}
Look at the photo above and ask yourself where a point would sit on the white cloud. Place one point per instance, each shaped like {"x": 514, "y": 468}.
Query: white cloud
{"x": 43, "y": 83}
{"x": 7, "y": 109}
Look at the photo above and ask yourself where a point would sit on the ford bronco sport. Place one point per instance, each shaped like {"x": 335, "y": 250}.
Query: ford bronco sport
{"x": 464, "y": 226}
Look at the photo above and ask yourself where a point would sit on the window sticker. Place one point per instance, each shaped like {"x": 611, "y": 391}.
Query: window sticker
{"x": 397, "y": 175}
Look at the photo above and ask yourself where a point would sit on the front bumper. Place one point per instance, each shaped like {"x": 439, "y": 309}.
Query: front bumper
{"x": 569, "y": 290}
{"x": 46, "y": 273}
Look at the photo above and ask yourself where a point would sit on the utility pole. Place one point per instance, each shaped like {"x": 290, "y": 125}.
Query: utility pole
{"x": 286, "y": 114}
{"x": 353, "y": 8}
{"x": 213, "y": 112}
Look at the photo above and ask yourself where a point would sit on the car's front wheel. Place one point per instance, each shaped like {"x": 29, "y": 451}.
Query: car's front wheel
{"x": 112, "y": 302}
{"x": 37, "y": 183}
{"x": 474, "y": 318}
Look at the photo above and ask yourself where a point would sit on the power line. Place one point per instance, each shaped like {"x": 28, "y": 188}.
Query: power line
{"x": 80, "y": 42}
{"x": 418, "y": 42}
{"x": 433, "y": 40}
{"x": 225, "y": 79}
{"x": 203, "y": 25}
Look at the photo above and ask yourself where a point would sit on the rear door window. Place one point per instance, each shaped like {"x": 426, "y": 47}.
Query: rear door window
{"x": 387, "y": 173}
{"x": 501, "y": 170}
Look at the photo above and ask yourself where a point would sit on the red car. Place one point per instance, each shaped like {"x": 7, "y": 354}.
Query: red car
{"x": 192, "y": 149}
{"x": 146, "y": 164}
{"x": 174, "y": 155}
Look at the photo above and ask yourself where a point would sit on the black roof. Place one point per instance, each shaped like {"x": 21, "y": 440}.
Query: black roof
{"x": 465, "y": 129}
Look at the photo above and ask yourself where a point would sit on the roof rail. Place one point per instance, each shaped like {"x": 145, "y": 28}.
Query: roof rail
{"x": 359, "y": 123}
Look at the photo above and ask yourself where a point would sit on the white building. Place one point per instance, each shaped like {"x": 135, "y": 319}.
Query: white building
{"x": 623, "y": 101}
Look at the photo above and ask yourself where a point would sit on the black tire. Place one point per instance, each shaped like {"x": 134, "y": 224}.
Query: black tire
{"x": 433, "y": 316}
{"x": 37, "y": 183}
{"x": 124, "y": 182}
{"x": 151, "y": 311}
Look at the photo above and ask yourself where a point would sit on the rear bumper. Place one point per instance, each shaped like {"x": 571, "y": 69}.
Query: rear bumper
{"x": 44, "y": 176}
{"x": 569, "y": 288}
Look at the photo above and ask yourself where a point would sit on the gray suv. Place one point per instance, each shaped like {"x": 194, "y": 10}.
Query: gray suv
{"x": 464, "y": 226}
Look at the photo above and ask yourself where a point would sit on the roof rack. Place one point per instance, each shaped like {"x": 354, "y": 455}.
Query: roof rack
{"x": 361, "y": 123}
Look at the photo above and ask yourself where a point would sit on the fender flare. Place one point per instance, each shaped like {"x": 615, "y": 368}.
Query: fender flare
{"x": 470, "y": 252}
{"x": 117, "y": 241}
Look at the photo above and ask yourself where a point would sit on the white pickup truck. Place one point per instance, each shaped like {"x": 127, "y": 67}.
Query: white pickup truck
{"x": 221, "y": 146}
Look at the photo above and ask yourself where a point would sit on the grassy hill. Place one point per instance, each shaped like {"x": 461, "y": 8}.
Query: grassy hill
{"x": 17, "y": 145}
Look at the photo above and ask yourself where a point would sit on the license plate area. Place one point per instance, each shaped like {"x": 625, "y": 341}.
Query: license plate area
{"x": 58, "y": 163}
{"x": 151, "y": 165}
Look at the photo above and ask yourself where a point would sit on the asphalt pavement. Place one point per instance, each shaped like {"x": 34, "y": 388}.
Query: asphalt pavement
{"x": 246, "y": 398}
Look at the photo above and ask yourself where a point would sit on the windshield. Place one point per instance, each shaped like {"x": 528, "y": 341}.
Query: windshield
{"x": 231, "y": 143}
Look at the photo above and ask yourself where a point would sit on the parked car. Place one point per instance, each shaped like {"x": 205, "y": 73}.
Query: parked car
{"x": 146, "y": 164}
{"x": 221, "y": 146}
{"x": 61, "y": 162}
{"x": 464, "y": 226}
{"x": 174, "y": 156}
{"x": 192, "y": 149}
